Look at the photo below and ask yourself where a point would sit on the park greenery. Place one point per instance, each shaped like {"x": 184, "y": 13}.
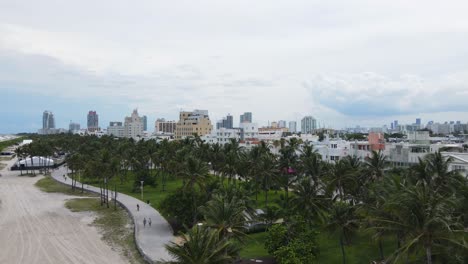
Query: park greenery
{"x": 313, "y": 211}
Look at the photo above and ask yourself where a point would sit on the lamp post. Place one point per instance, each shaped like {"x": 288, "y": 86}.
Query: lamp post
{"x": 141, "y": 187}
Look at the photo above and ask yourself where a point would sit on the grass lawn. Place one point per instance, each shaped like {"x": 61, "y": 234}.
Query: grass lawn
{"x": 254, "y": 246}
{"x": 363, "y": 248}
{"x": 154, "y": 194}
{"x": 47, "y": 184}
{"x": 116, "y": 226}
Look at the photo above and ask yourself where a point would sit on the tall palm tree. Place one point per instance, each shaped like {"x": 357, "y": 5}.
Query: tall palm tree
{"x": 427, "y": 219}
{"x": 309, "y": 200}
{"x": 203, "y": 245}
{"x": 343, "y": 221}
{"x": 226, "y": 215}
{"x": 375, "y": 165}
{"x": 195, "y": 172}
{"x": 339, "y": 176}
{"x": 267, "y": 169}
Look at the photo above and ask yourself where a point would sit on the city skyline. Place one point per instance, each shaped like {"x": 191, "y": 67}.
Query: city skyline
{"x": 344, "y": 68}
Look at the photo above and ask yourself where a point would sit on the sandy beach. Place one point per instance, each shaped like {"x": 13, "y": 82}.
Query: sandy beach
{"x": 35, "y": 227}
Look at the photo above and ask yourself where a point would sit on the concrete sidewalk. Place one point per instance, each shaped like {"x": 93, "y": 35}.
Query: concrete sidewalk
{"x": 150, "y": 240}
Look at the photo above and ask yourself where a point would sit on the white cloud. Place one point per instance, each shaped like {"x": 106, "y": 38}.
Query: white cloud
{"x": 355, "y": 57}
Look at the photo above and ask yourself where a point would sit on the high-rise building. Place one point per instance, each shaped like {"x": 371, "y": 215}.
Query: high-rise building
{"x": 282, "y": 124}
{"x": 292, "y": 126}
{"x": 145, "y": 123}
{"x": 93, "y": 121}
{"x": 116, "y": 129}
{"x": 190, "y": 123}
{"x": 226, "y": 122}
{"x": 246, "y": 117}
{"x": 274, "y": 124}
{"x": 395, "y": 124}
{"x": 308, "y": 125}
{"x": 418, "y": 121}
{"x": 48, "y": 120}
{"x": 163, "y": 126}
{"x": 229, "y": 121}
{"x": 73, "y": 127}
{"x": 133, "y": 126}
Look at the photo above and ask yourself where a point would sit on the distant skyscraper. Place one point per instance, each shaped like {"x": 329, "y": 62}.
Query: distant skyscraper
{"x": 133, "y": 126}
{"x": 48, "y": 120}
{"x": 391, "y": 126}
{"x": 395, "y": 124}
{"x": 229, "y": 121}
{"x": 74, "y": 127}
{"x": 292, "y": 126}
{"x": 308, "y": 125}
{"x": 145, "y": 123}
{"x": 282, "y": 124}
{"x": 418, "y": 121}
{"x": 246, "y": 117}
{"x": 226, "y": 122}
{"x": 93, "y": 121}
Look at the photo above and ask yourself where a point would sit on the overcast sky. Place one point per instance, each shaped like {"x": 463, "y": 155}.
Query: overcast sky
{"x": 345, "y": 62}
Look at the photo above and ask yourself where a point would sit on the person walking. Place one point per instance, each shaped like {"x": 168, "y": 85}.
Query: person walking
{"x": 144, "y": 222}
{"x": 149, "y": 222}
{"x": 138, "y": 207}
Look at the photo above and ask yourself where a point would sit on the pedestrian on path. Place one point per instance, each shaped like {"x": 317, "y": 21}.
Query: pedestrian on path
{"x": 144, "y": 222}
{"x": 149, "y": 222}
{"x": 138, "y": 207}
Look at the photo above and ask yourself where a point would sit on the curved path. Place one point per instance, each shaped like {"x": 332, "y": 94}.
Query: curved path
{"x": 35, "y": 227}
{"x": 150, "y": 240}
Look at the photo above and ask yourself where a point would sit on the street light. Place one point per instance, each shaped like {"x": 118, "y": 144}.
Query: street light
{"x": 141, "y": 187}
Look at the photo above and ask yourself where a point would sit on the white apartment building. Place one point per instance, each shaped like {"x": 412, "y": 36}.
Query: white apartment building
{"x": 133, "y": 126}
{"x": 116, "y": 129}
{"x": 460, "y": 162}
{"x": 332, "y": 150}
{"x": 249, "y": 131}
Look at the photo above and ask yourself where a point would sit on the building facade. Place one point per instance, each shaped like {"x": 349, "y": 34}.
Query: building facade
{"x": 282, "y": 123}
{"x": 292, "y": 126}
{"x": 145, "y": 122}
{"x": 73, "y": 127}
{"x": 93, "y": 121}
{"x": 308, "y": 125}
{"x": 163, "y": 126}
{"x": 195, "y": 122}
{"x": 246, "y": 117}
{"x": 133, "y": 126}
{"x": 116, "y": 129}
{"x": 48, "y": 120}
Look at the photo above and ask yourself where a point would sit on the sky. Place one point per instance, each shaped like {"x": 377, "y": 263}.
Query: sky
{"x": 347, "y": 63}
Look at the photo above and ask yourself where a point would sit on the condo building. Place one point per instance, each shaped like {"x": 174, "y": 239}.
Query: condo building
{"x": 195, "y": 122}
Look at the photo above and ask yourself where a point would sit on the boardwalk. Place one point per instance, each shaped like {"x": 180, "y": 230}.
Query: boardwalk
{"x": 150, "y": 240}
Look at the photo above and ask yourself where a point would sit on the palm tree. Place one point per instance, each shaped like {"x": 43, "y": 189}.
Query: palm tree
{"x": 309, "y": 200}
{"x": 226, "y": 215}
{"x": 195, "y": 172}
{"x": 339, "y": 176}
{"x": 267, "y": 169}
{"x": 343, "y": 221}
{"x": 375, "y": 165}
{"x": 203, "y": 245}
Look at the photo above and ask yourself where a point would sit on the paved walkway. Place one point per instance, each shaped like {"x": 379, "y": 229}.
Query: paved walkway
{"x": 150, "y": 240}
